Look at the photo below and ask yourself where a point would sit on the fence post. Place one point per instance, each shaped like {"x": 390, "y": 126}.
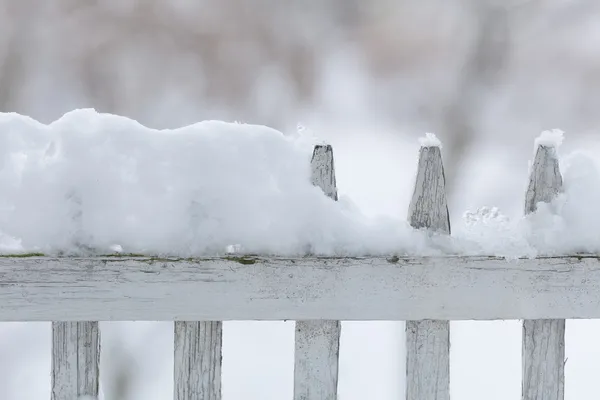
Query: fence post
{"x": 427, "y": 341}
{"x": 75, "y": 345}
{"x": 318, "y": 342}
{"x": 75, "y": 360}
{"x": 543, "y": 355}
{"x": 197, "y": 360}
{"x": 197, "y": 352}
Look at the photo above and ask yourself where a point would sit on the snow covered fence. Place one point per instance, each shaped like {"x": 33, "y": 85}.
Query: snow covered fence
{"x": 199, "y": 293}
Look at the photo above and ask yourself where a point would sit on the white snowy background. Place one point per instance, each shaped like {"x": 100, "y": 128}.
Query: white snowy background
{"x": 368, "y": 79}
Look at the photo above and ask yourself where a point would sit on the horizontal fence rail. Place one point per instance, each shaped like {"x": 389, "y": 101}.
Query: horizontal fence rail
{"x": 316, "y": 292}
{"x": 368, "y": 289}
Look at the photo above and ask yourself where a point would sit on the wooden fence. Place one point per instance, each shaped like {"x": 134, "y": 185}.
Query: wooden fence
{"x": 317, "y": 292}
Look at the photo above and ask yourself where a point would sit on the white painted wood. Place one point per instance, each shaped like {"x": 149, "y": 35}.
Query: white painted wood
{"x": 428, "y": 207}
{"x": 543, "y": 355}
{"x": 197, "y": 361}
{"x": 76, "y": 344}
{"x": 323, "y": 170}
{"x": 75, "y": 360}
{"x": 197, "y": 349}
{"x": 428, "y": 342}
{"x": 317, "y": 343}
{"x": 427, "y": 363}
{"x": 316, "y": 360}
{"x": 545, "y": 179}
{"x": 446, "y": 288}
{"x": 543, "y": 359}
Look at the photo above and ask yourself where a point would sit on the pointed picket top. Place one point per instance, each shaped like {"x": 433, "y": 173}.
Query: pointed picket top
{"x": 543, "y": 346}
{"x": 317, "y": 342}
{"x": 428, "y": 342}
{"x": 545, "y": 179}
{"x": 323, "y": 170}
{"x": 429, "y": 207}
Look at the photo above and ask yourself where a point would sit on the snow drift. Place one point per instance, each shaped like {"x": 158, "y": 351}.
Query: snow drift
{"x": 100, "y": 183}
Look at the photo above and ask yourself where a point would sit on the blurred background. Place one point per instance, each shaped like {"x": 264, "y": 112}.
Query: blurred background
{"x": 369, "y": 76}
{"x": 464, "y": 69}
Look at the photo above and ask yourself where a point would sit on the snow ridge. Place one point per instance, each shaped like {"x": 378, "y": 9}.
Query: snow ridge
{"x": 98, "y": 183}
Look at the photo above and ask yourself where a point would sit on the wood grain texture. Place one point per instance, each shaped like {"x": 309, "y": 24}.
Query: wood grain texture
{"x": 428, "y": 207}
{"x": 75, "y": 360}
{"x": 543, "y": 354}
{"x": 545, "y": 179}
{"x": 317, "y": 343}
{"x": 447, "y": 288}
{"x": 75, "y": 345}
{"x": 543, "y": 359}
{"x": 316, "y": 360}
{"x": 323, "y": 170}
{"x": 428, "y": 359}
{"x": 197, "y": 361}
{"x": 428, "y": 342}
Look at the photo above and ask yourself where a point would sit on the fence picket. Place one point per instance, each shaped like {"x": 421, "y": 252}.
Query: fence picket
{"x": 317, "y": 342}
{"x": 543, "y": 353}
{"x": 428, "y": 341}
{"x": 75, "y": 345}
{"x": 197, "y": 360}
{"x": 75, "y": 360}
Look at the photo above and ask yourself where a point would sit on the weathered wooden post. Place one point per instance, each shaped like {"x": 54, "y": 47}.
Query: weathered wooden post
{"x": 317, "y": 342}
{"x": 75, "y": 360}
{"x": 543, "y": 354}
{"x": 197, "y": 364}
{"x": 427, "y": 341}
{"x": 197, "y": 353}
{"x": 75, "y": 345}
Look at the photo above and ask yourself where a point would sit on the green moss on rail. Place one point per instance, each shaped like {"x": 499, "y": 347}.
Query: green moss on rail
{"x": 118, "y": 255}
{"x": 22, "y": 255}
{"x": 242, "y": 260}
{"x": 150, "y": 259}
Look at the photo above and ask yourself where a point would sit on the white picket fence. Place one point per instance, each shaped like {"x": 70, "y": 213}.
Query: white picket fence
{"x": 317, "y": 292}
